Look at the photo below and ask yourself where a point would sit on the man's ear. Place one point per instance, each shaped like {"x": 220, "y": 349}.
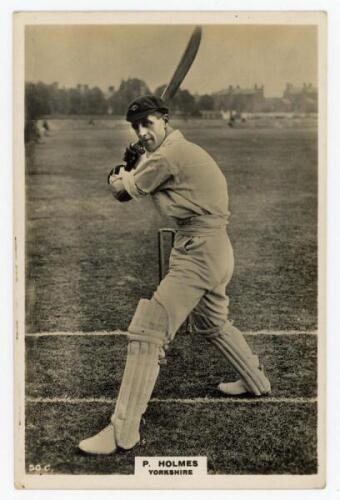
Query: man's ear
{"x": 166, "y": 118}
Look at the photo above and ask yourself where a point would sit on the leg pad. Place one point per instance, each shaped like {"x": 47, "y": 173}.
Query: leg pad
{"x": 147, "y": 333}
{"x": 231, "y": 343}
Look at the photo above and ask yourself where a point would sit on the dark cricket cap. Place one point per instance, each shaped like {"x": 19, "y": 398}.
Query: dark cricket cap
{"x": 144, "y": 106}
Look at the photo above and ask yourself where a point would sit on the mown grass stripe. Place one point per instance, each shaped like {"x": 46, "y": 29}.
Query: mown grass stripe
{"x": 121, "y": 333}
{"x": 77, "y": 334}
{"x": 193, "y": 401}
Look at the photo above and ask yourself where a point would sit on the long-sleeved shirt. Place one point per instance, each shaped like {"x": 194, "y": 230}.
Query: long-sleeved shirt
{"x": 182, "y": 178}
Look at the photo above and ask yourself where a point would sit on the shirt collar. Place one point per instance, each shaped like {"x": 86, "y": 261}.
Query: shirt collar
{"x": 175, "y": 135}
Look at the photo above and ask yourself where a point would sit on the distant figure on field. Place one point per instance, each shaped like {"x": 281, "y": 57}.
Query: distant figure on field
{"x": 46, "y": 127}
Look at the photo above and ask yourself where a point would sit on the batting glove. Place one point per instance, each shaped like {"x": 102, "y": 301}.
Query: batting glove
{"x": 114, "y": 171}
{"x": 132, "y": 155}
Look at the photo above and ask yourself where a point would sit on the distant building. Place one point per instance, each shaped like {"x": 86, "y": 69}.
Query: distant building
{"x": 239, "y": 100}
{"x": 211, "y": 114}
{"x": 303, "y": 99}
{"x": 274, "y": 104}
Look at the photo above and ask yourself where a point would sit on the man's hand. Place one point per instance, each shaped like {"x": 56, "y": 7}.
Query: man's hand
{"x": 117, "y": 186}
{"x": 114, "y": 171}
{"x": 132, "y": 155}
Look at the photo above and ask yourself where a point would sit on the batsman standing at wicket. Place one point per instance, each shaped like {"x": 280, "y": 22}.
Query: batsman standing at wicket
{"x": 187, "y": 185}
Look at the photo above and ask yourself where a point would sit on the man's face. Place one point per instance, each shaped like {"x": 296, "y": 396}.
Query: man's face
{"x": 151, "y": 131}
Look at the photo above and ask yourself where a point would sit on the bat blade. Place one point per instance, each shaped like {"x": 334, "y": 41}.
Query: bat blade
{"x": 184, "y": 65}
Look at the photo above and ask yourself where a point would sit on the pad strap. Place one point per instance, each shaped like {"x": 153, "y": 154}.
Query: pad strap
{"x": 150, "y": 319}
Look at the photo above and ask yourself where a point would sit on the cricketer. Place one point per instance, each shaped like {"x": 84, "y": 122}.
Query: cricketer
{"x": 187, "y": 186}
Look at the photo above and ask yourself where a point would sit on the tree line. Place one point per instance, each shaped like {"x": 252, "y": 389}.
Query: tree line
{"x": 42, "y": 100}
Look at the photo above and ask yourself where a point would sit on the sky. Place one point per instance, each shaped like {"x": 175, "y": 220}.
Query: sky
{"x": 245, "y": 55}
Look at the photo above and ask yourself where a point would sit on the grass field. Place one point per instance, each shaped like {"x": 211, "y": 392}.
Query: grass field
{"x": 89, "y": 260}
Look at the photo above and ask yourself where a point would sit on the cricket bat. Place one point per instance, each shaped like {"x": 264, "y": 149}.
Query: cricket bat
{"x": 184, "y": 65}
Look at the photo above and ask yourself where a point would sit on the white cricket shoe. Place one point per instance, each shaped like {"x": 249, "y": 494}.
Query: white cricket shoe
{"x": 238, "y": 388}
{"x": 233, "y": 388}
{"x": 102, "y": 443}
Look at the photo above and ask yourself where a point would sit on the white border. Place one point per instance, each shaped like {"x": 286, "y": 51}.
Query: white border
{"x": 6, "y": 352}
{"x": 237, "y": 18}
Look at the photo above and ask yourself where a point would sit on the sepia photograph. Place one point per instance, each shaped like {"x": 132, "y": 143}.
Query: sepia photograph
{"x": 170, "y": 173}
